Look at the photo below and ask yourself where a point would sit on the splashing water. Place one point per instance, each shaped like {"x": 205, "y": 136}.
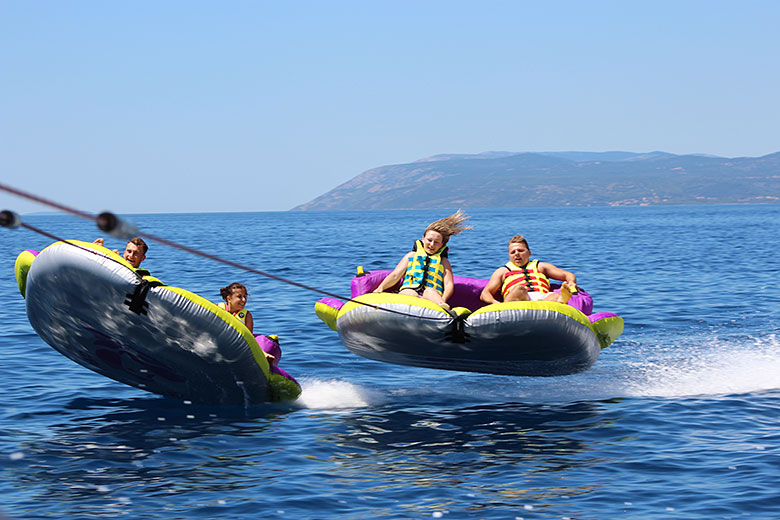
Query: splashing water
{"x": 333, "y": 394}
{"x": 716, "y": 367}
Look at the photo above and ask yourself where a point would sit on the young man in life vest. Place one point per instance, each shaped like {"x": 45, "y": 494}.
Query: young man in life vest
{"x": 426, "y": 271}
{"x": 523, "y": 280}
{"x": 135, "y": 251}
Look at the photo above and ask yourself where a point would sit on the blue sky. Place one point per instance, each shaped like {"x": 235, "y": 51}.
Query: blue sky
{"x": 170, "y": 106}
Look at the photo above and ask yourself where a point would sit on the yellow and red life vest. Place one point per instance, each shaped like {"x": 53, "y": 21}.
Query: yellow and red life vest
{"x": 241, "y": 315}
{"x": 424, "y": 270}
{"x": 529, "y": 276}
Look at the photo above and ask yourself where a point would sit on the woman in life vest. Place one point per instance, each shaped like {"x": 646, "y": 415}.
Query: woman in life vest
{"x": 235, "y": 296}
{"x": 426, "y": 271}
{"x": 523, "y": 279}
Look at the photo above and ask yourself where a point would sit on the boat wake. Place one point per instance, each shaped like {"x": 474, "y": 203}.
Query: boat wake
{"x": 715, "y": 367}
{"x": 689, "y": 369}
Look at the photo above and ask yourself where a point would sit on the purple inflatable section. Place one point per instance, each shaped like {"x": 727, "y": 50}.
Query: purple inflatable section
{"x": 272, "y": 347}
{"x": 466, "y": 293}
{"x": 283, "y": 372}
{"x": 601, "y": 315}
{"x": 332, "y": 302}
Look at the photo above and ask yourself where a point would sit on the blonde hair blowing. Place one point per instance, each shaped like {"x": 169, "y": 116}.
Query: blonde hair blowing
{"x": 451, "y": 225}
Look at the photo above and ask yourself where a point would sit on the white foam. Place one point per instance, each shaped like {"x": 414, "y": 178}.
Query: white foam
{"x": 691, "y": 367}
{"x": 334, "y": 394}
{"x": 712, "y": 368}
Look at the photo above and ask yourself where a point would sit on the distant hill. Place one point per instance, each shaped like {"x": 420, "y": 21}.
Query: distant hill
{"x": 506, "y": 179}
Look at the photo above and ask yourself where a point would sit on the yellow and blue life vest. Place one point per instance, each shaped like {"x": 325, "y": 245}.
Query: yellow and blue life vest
{"x": 529, "y": 276}
{"x": 424, "y": 270}
{"x": 241, "y": 315}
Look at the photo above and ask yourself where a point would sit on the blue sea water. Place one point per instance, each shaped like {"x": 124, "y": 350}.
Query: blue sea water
{"x": 678, "y": 419}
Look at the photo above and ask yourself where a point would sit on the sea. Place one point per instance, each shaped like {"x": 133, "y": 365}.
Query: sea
{"x": 678, "y": 419}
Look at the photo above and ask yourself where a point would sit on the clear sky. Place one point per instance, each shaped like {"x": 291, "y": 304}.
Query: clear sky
{"x": 186, "y": 105}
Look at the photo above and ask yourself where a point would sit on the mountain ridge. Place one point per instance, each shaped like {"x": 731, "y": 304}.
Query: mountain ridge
{"x": 506, "y": 179}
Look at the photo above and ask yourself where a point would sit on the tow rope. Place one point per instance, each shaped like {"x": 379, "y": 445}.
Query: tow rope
{"x": 116, "y": 227}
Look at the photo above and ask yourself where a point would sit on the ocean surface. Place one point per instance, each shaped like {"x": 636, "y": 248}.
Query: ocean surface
{"x": 678, "y": 419}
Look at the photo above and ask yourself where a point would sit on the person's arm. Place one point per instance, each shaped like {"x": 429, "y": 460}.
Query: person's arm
{"x": 249, "y": 322}
{"x": 488, "y": 294}
{"x": 556, "y": 273}
{"x": 449, "y": 280}
{"x": 101, "y": 242}
{"x": 395, "y": 276}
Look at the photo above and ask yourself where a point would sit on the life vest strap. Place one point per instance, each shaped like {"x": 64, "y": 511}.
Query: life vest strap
{"x": 457, "y": 333}
{"x": 136, "y": 301}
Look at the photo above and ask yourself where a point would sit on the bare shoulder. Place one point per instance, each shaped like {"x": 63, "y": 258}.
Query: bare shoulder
{"x": 500, "y": 272}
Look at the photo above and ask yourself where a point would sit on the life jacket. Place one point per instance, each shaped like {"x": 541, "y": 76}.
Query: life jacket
{"x": 241, "y": 315}
{"x": 424, "y": 270}
{"x": 528, "y": 276}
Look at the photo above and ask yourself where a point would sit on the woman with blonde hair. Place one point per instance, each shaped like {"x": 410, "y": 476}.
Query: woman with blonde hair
{"x": 426, "y": 271}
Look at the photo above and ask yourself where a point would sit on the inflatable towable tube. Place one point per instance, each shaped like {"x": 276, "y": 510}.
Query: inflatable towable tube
{"x": 92, "y": 306}
{"x": 536, "y": 338}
